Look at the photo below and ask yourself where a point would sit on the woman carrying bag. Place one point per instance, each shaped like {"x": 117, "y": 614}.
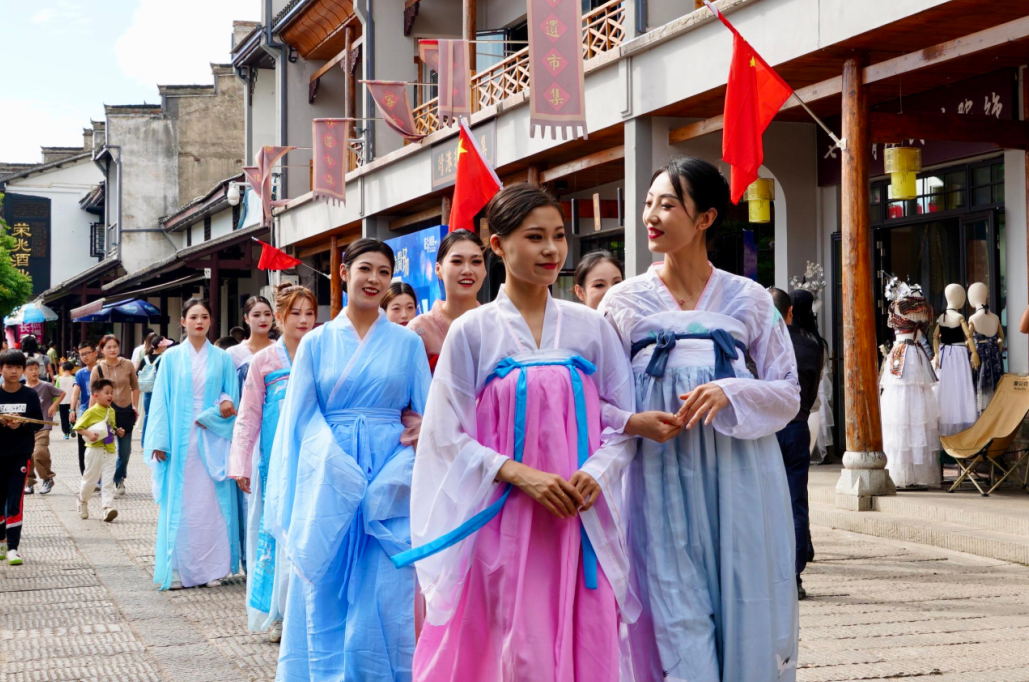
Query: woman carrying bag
{"x": 126, "y": 396}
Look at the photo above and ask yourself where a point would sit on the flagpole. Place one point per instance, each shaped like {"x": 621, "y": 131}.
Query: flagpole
{"x": 842, "y": 144}
{"x": 305, "y": 265}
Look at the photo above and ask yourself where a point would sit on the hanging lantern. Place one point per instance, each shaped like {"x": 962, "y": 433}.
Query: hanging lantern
{"x": 903, "y": 164}
{"x": 759, "y": 198}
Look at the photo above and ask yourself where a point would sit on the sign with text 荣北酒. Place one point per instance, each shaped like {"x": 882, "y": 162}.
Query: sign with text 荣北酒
{"x": 28, "y": 223}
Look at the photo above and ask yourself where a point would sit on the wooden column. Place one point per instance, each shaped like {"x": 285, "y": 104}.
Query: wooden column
{"x": 163, "y": 331}
{"x": 1025, "y": 118}
{"x": 469, "y": 34}
{"x": 532, "y": 176}
{"x": 214, "y": 297}
{"x": 864, "y": 475}
{"x": 445, "y": 210}
{"x": 335, "y": 282}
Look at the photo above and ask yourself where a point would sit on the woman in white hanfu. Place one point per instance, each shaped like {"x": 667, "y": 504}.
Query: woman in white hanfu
{"x": 192, "y": 413}
{"x": 710, "y": 524}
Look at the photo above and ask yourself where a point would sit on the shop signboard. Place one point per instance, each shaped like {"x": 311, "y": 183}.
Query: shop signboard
{"x": 444, "y": 154}
{"x": 416, "y": 263}
{"x": 28, "y": 222}
{"x": 992, "y": 95}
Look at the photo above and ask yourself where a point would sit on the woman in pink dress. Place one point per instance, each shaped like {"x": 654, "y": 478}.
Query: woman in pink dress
{"x": 461, "y": 267}
{"x": 515, "y": 518}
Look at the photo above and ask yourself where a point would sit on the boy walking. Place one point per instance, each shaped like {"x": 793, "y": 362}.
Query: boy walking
{"x": 49, "y": 397}
{"x": 97, "y": 427}
{"x": 16, "y": 455}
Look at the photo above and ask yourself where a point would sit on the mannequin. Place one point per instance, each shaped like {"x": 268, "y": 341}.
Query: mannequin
{"x": 910, "y": 413}
{"x": 989, "y": 344}
{"x": 953, "y": 345}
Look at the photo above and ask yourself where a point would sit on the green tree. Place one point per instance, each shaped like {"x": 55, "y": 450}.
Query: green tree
{"x": 15, "y": 285}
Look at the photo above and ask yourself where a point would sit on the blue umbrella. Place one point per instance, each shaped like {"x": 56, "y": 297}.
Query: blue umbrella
{"x": 135, "y": 310}
{"x": 37, "y": 312}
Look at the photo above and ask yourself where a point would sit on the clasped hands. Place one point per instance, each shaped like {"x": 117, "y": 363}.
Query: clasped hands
{"x": 564, "y": 499}
{"x": 703, "y": 402}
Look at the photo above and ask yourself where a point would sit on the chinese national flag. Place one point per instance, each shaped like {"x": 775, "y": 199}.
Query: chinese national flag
{"x": 275, "y": 259}
{"x": 754, "y": 94}
{"x": 475, "y": 183}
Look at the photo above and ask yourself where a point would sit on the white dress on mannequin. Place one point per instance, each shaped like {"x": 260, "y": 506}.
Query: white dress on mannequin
{"x": 955, "y": 391}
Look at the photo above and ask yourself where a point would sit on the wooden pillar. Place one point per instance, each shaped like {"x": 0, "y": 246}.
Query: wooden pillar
{"x": 445, "y": 209}
{"x": 164, "y": 315}
{"x": 335, "y": 281}
{"x": 1025, "y": 117}
{"x": 864, "y": 475}
{"x": 214, "y": 297}
{"x": 469, "y": 34}
{"x": 532, "y": 176}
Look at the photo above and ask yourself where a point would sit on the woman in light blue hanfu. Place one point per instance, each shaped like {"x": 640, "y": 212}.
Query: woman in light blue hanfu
{"x": 192, "y": 411}
{"x": 710, "y": 523}
{"x": 339, "y": 483}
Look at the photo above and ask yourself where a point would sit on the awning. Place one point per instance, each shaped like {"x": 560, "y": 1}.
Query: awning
{"x": 179, "y": 258}
{"x": 66, "y": 287}
{"x": 134, "y": 310}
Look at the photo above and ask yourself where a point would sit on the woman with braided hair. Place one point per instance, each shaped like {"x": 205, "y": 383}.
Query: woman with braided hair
{"x": 910, "y": 414}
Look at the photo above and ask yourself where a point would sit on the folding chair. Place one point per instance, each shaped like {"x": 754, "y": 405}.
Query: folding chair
{"x": 988, "y": 440}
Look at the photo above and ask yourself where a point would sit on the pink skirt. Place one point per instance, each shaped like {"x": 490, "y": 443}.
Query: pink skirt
{"x": 525, "y": 612}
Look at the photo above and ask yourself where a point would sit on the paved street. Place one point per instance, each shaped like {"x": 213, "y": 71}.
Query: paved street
{"x": 83, "y": 606}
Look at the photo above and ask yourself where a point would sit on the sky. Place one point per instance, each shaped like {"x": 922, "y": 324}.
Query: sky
{"x": 66, "y": 59}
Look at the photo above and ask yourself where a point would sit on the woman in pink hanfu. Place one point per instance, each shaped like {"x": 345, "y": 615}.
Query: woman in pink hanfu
{"x": 515, "y": 517}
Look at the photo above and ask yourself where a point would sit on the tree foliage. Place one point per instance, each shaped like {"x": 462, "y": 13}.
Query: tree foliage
{"x": 15, "y": 285}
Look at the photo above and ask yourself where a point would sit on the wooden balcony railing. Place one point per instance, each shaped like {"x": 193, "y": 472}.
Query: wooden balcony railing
{"x": 603, "y": 30}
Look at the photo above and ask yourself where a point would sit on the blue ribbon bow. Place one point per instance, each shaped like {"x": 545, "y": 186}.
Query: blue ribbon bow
{"x": 664, "y": 341}
{"x": 503, "y": 368}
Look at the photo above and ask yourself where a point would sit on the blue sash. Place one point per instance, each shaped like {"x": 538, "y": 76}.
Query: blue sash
{"x": 503, "y": 368}
{"x": 725, "y": 350}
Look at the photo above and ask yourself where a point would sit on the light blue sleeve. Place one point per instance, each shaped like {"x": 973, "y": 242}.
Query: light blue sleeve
{"x": 159, "y": 426}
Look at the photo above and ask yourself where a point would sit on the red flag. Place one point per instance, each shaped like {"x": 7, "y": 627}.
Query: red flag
{"x": 275, "y": 259}
{"x": 754, "y": 94}
{"x": 475, "y": 183}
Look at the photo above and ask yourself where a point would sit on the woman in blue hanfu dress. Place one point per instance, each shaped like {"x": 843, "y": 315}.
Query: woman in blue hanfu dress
{"x": 339, "y": 486}
{"x": 259, "y": 408}
{"x": 710, "y": 523}
{"x": 192, "y": 410}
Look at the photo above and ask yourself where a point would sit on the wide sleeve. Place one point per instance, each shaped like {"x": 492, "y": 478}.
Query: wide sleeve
{"x": 764, "y": 405}
{"x": 616, "y": 391}
{"x": 248, "y": 423}
{"x": 159, "y": 429}
{"x": 453, "y": 472}
{"x": 306, "y": 456}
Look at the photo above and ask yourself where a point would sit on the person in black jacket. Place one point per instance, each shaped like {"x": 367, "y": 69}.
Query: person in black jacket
{"x": 16, "y": 455}
{"x": 795, "y": 438}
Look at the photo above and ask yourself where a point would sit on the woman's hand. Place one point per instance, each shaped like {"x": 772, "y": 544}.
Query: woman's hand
{"x": 708, "y": 399}
{"x": 553, "y": 492}
{"x": 120, "y": 433}
{"x": 160, "y": 455}
{"x": 587, "y": 487}
{"x": 657, "y": 426}
{"x": 227, "y": 409}
{"x": 244, "y": 483}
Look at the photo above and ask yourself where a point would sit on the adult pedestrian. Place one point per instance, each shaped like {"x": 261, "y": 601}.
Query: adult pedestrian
{"x": 146, "y": 370}
{"x": 80, "y": 401}
{"x": 140, "y": 350}
{"x": 51, "y": 353}
{"x": 338, "y": 486}
{"x": 259, "y": 321}
{"x": 795, "y": 438}
{"x": 461, "y": 269}
{"x": 187, "y": 447}
{"x": 30, "y": 347}
{"x": 252, "y": 438}
{"x": 708, "y": 502}
{"x": 126, "y": 398}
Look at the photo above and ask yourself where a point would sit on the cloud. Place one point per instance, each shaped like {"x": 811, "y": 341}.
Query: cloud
{"x": 34, "y": 123}
{"x": 44, "y": 15}
{"x": 175, "y": 43}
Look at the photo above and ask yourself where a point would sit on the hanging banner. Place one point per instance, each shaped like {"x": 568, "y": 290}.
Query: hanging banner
{"x": 558, "y": 93}
{"x": 394, "y": 106}
{"x": 428, "y": 53}
{"x": 455, "y": 83}
{"x": 260, "y": 179}
{"x": 329, "y": 142}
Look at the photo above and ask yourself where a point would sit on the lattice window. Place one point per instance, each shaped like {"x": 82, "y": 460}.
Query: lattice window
{"x": 207, "y": 229}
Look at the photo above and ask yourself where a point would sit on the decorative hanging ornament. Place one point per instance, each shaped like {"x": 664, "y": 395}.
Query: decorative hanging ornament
{"x": 903, "y": 164}
{"x": 812, "y": 280}
{"x": 759, "y": 197}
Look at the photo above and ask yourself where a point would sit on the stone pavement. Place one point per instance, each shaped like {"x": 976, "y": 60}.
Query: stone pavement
{"x": 83, "y": 606}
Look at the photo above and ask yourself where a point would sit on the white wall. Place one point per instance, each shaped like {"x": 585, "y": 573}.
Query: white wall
{"x": 262, "y": 123}
{"x": 69, "y": 224}
{"x": 1016, "y": 276}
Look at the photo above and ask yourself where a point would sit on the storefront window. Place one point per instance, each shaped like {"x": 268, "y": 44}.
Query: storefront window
{"x": 988, "y": 184}
{"x": 745, "y": 248}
